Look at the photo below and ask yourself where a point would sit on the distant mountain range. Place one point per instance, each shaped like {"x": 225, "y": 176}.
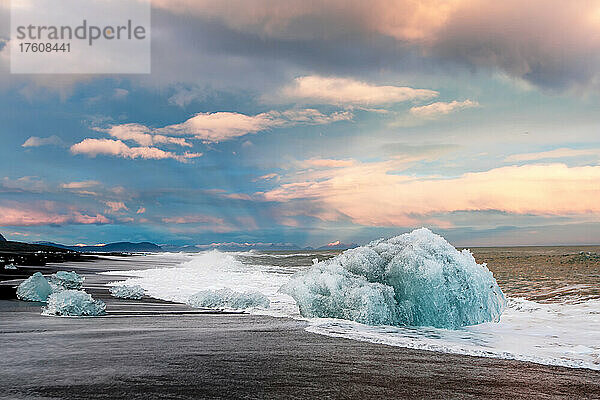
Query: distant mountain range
{"x": 147, "y": 247}
{"x": 119, "y": 247}
{"x": 256, "y": 246}
{"x": 233, "y": 247}
{"x": 18, "y": 247}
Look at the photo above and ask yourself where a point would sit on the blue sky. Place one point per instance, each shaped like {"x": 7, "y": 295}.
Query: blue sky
{"x": 315, "y": 124}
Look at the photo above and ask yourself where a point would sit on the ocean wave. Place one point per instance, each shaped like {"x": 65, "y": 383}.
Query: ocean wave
{"x": 228, "y": 299}
{"x": 547, "y": 333}
{"x": 213, "y": 271}
{"x": 551, "y": 334}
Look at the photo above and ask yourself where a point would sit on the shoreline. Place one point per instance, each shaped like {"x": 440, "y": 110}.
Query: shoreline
{"x": 151, "y": 348}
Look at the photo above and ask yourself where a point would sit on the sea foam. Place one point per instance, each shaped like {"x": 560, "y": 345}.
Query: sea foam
{"x": 134, "y": 292}
{"x": 226, "y": 298}
{"x": 554, "y": 334}
{"x": 415, "y": 279}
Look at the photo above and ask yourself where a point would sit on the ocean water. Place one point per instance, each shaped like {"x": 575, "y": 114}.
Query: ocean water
{"x": 552, "y": 315}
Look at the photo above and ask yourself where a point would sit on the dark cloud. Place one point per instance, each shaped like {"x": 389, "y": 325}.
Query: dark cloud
{"x": 208, "y": 52}
{"x": 548, "y": 43}
{"x": 551, "y": 44}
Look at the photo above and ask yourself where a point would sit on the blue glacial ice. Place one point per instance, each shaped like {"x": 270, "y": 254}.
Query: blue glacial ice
{"x": 227, "y": 298}
{"x": 415, "y": 279}
{"x": 34, "y": 288}
{"x": 73, "y": 303}
{"x": 63, "y": 280}
{"x": 135, "y": 292}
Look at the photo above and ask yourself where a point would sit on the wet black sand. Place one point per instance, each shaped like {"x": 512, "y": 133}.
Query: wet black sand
{"x": 153, "y": 349}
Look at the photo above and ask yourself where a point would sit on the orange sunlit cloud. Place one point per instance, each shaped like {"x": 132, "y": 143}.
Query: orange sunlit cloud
{"x": 13, "y": 216}
{"x": 369, "y": 194}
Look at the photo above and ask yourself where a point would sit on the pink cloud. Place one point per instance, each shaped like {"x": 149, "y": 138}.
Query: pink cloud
{"x": 434, "y": 110}
{"x": 222, "y": 193}
{"x": 36, "y": 216}
{"x": 24, "y": 234}
{"x": 208, "y": 127}
{"x": 238, "y": 196}
{"x": 344, "y": 91}
{"x": 94, "y": 147}
{"x": 222, "y": 126}
{"x": 116, "y": 206}
{"x": 140, "y": 134}
{"x": 194, "y": 219}
{"x": 368, "y": 194}
{"x": 266, "y": 177}
{"x": 80, "y": 185}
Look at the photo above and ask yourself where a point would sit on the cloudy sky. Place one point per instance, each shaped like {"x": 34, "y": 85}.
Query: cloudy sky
{"x": 314, "y": 121}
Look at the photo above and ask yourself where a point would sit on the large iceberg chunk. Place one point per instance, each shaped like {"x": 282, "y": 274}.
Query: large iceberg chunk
{"x": 127, "y": 292}
{"x": 66, "y": 280}
{"x": 227, "y": 298}
{"x": 415, "y": 279}
{"x": 73, "y": 303}
{"x": 34, "y": 288}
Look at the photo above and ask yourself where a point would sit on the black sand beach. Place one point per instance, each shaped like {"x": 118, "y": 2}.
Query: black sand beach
{"x": 23, "y": 259}
{"x": 153, "y": 349}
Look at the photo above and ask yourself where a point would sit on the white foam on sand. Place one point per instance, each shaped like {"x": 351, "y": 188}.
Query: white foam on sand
{"x": 228, "y": 299}
{"x": 134, "y": 292}
{"x": 553, "y": 334}
{"x": 213, "y": 270}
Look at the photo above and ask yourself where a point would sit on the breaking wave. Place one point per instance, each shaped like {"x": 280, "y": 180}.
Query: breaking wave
{"x": 382, "y": 276}
{"x": 228, "y": 299}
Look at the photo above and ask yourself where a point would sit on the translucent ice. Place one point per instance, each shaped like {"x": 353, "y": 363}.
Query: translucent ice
{"x": 34, "y": 288}
{"x": 73, "y": 303}
{"x": 66, "y": 280}
{"x": 415, "y": 279}
{"x": 127, "y": 292}
{"x": 226, "y": 298}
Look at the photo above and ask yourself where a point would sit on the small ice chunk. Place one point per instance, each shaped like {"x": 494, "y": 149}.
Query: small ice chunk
{"x": 73, "y": 303}
{"x": 10, "y": 266}
{"x": 66, "y": 280}
{"x": 34, "y": 288}
{"x": 227, "y": 298}
{"x": 127, "y": 292}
